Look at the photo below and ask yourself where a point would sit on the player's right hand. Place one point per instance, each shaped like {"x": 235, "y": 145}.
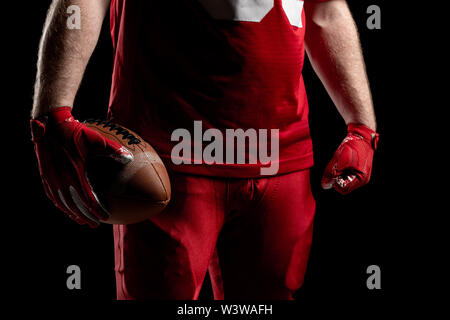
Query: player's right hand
{"x": 62, "y": 146}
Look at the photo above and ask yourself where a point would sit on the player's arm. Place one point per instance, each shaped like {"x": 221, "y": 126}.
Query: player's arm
{"x": 334, "y": 50}
{"x": 333, "y": 47}
{"x": 64, "y": 53}
{"x": 62, "y": 144}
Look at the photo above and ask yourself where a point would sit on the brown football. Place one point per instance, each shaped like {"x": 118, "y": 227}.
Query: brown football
{"x": 132, "y": 192}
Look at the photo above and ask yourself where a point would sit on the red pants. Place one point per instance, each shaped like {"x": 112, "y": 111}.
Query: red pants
{"x": 254, "y": 236}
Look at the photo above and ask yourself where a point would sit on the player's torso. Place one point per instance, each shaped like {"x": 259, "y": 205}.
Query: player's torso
{"x": 235, "y": 62}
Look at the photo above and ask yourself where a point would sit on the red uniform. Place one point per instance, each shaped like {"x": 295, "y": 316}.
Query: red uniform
{"x": 230, "y": 64}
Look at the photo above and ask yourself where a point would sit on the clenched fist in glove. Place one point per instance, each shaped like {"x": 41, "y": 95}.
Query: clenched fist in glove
{"x": 63, "y": 145}
{"x": 351, "y": 165}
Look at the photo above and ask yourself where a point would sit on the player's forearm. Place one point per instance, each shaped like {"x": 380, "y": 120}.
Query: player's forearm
{"x": 64, "y": 53}
{"x": 334, "y": 50}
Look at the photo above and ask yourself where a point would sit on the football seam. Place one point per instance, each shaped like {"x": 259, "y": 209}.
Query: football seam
{"x": 159, "y": 203}
{"x": 139, "y": 145}
{"x": 116, "y": 138}
{"x": 159, "y": 177}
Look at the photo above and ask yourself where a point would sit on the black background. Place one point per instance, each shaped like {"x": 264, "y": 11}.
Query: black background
{"x": 373, "y": 225}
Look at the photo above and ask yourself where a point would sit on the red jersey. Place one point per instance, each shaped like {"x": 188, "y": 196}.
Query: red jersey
{"x": 231, "y": 64}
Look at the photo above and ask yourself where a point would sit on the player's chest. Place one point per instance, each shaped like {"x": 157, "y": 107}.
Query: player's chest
{"x": 254, "y": 10}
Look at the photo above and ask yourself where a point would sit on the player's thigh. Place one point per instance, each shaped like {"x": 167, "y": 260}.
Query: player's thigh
{"x": 166, "y": 257}
{"x": 264, "y": 253}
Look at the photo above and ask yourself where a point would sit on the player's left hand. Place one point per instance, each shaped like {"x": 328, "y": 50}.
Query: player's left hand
{"x": 351, "y": 165}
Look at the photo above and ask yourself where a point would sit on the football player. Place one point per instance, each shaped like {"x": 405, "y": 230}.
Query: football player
{"x": 231, "y": 64}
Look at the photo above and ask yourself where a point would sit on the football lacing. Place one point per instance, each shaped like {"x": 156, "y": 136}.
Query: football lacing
{"x": 119, "y": 130}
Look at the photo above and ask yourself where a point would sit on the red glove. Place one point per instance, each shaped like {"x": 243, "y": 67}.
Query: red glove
{"x": 351, "y": 165}
{"x": 63, "y": 145}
